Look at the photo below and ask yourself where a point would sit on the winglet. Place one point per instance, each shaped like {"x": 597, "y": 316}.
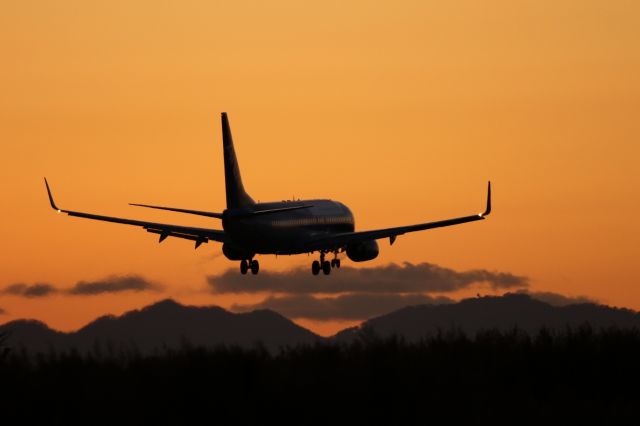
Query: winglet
{"x": 53, "y": 204}
{"x": 488, "y": 210}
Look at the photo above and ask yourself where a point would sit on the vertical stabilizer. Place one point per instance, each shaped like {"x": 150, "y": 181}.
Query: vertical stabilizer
{"x": 236, "y": 195}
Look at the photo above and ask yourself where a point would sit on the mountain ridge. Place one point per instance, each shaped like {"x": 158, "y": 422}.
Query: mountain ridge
{"x": 161, "y": 325}
{"x": 168, "y": 324}
{"x": 509, "y": 311}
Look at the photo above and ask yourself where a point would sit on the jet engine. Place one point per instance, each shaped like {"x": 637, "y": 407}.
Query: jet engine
{"x": 235, "y": 253}
{"x": 360, "y": 252}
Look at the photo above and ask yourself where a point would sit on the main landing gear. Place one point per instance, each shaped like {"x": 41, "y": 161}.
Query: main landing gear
{"x": 325, "y": 265}
{"x": 252, "y": 264}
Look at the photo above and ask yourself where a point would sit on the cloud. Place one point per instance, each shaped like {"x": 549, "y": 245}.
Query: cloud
{"x": 345, "y": 307}
{"x": 30, "y": 290}
{"x": 392, "y": 278}
{"x": 2, "y": 311}
{"x": 556, "y": 299}
{"x": 113, "y": 284}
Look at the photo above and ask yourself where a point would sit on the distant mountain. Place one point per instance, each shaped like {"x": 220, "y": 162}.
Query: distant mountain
{"x": 165, "y": 324}
{"x": 491, "y": 312}
{"x": 168, "y": 324}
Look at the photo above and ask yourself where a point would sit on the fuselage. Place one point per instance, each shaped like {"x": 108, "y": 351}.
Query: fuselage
{"x": 288, "y": 231}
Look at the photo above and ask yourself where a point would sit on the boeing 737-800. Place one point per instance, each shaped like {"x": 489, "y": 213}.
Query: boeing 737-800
{"x": 287, "y": 227}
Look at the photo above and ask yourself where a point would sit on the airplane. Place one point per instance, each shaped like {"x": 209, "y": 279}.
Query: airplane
{"x": 281, "y": 228}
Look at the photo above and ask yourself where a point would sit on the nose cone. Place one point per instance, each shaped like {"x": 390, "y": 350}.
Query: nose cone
{"x": 347, "y": 213}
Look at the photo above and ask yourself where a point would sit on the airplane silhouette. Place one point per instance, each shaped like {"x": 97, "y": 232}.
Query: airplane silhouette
{"x": 286, "y": 227}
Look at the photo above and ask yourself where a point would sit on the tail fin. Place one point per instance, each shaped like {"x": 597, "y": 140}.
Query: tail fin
{"x": 236, "y": 195}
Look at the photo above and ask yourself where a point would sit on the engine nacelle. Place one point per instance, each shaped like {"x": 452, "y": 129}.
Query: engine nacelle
{"x": 361, "y": 252}
{"x": 235, "y": 253}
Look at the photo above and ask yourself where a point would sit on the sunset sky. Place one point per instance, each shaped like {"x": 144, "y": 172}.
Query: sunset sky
{"x": 401, "y": 110}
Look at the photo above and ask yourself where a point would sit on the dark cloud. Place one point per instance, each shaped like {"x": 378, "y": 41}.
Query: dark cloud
{"x": 30, "y": 290}
{"x": 556, "y": 299}
{"x": 345, "y": 307}
{"x": 113, "y": 284}
{"x": 392, "y": 278}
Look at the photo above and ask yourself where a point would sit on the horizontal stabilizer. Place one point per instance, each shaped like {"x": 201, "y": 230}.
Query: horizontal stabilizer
{"x": 282, "y": 209}
{"x": 253, "y": 213}
{"x": 172, "y": 209}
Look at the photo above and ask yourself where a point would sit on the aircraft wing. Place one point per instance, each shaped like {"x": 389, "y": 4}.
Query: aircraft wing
{"x": 199, "y": 235}
{"x": 341, "y": 240}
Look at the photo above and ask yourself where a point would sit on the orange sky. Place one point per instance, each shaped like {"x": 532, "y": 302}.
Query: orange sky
{"x": 402, "y": 110}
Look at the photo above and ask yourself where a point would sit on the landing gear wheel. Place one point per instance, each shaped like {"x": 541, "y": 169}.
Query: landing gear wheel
{"x": 255, "y": 267}
{"x": 244, "y": 267}
{"x": 333, "y": 263}
{"x": 315, "y": 267}
{"x": 338, "y": 263}
{"x": 326, "y": 267}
